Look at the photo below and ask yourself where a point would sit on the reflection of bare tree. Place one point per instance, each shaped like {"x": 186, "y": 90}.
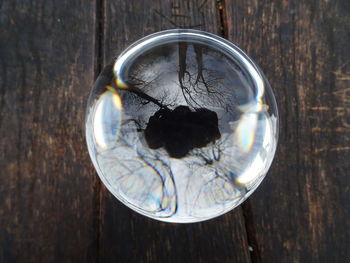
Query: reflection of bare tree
{"x": 213, "y": 167}
{"x": 195, "y": 80}
{"x": 209, "y": 156}
{"x": 166, "y": 144}
{"x": 203, "y": 83}
{"x": 199, "y": 85}
{"x": 175, "y": 129}
{"x": 133, "y": 87}
{"x": 137, "y": 161}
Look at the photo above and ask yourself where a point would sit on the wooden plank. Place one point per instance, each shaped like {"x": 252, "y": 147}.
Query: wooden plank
{"x": 301, "y": 212}
{"x": 126, "y": 236}
{"x": 47, "y": 182}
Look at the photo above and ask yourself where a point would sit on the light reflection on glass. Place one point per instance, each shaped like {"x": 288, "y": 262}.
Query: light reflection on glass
{"x": 182, "y": 126}
{"x": 107, "y": 118}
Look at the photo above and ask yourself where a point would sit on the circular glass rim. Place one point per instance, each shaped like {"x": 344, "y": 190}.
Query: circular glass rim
{"x": 175, "y": 35}
{"x": 172, "y": 35}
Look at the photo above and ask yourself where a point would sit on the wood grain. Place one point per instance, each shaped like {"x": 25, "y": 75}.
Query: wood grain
{"x": 126, "y": 236}
{"x": 53, "y": 208}
{"x": 301, "y": 212}
{"x": 47, "y": 181}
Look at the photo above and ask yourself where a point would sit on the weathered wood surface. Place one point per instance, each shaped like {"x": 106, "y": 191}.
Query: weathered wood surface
{"x": 301, "y": 212}
{"x": 47, "y": 183}
{"x": 53, "y": 208}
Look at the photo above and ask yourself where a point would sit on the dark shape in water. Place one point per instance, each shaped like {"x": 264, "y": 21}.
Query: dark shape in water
{"x": 181, "y": 130}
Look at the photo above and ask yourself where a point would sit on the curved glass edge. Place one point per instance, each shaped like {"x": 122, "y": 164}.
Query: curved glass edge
{"x": 252, "y": 66}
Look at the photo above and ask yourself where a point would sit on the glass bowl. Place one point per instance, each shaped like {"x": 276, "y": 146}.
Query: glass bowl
{"x": 182, "y": 126}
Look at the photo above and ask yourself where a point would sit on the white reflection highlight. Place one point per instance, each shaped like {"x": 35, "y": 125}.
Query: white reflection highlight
{"x": 254, "y": 106}
{"x": 268, "y": 135}
{"x": 107, "y": 119}
{"x": 250, "y": 174}
{"x": 245, "y": 132}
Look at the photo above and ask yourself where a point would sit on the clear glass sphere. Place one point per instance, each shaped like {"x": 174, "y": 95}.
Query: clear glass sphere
{"x": 182, "y": 126}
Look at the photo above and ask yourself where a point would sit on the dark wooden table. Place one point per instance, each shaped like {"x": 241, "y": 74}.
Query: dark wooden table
{"x": 53, "y": 207}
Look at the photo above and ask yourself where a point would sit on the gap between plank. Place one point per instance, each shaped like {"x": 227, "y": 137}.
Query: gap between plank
{"x": 99, "y": 36}
{"x": 251, "y": 232}
{"x": 223, "y": 18}
{"x": 250, "y": 229}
